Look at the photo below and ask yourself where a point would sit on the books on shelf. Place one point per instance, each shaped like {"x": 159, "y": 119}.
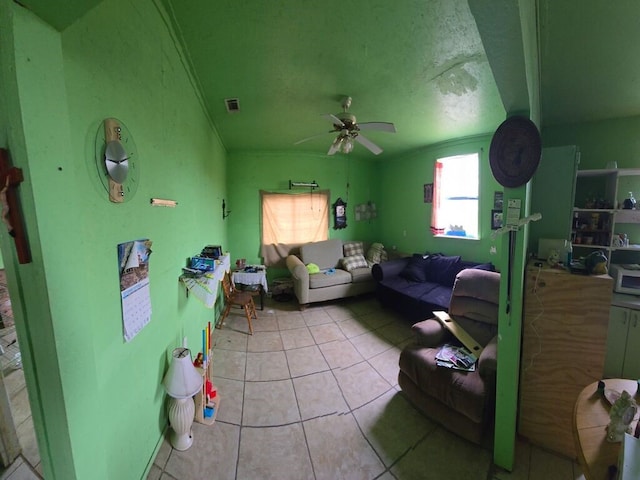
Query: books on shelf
{"x": 456, "y": 357}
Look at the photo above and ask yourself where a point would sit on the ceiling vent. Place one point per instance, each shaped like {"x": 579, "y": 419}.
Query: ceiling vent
{"x": 232, "y": 104}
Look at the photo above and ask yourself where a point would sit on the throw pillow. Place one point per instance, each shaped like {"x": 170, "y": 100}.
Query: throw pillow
{"x": 443, "y": 269}
{"x": 313, "y": 268}
{"x": 376, "y": 254}
{"x": 416, "y": 268}
{"x": 353, "y": 248}
{"x": 354, "y": 261}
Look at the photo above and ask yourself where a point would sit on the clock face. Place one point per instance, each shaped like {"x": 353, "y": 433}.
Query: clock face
{"x": 116, "y": 160}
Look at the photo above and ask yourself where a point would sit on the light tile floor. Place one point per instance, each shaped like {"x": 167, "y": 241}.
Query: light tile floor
{"x": 27, "y": 466}
{"x": 314, "y": 395}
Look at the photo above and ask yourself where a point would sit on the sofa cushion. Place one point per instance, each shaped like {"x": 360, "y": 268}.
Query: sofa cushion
{"x": 443, "y": 269}
{"x": 354, "y": 261}
{"x": 329, "y": 278}
{"x": 361, "y": 274}
{"x": 325, "y": 254}
{"x": 416, "y": 269}
{"x": 353, "y": 248}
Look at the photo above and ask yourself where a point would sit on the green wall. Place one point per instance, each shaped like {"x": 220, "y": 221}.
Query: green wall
{"x": 600, "y": 142}
{"x": 355, "y": 181}
{"x": 406, "y": 219}
{"x": 97, "y": 401}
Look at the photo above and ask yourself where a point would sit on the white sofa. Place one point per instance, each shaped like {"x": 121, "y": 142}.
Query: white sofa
{"x": 337, "y": 278}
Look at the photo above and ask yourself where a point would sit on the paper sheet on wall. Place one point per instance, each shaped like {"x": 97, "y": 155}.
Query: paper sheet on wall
{"x": 133, "y": 260}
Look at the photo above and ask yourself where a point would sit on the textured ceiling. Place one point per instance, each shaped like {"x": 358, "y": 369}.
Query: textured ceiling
{"x": 417, "y": 63}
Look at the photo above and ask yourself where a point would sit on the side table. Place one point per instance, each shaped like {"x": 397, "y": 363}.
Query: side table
{"x": 590, "y": 420}
{"x": 252, "y": 280}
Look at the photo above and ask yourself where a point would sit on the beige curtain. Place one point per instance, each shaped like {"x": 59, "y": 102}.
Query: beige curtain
{"x": 290, "y": 220}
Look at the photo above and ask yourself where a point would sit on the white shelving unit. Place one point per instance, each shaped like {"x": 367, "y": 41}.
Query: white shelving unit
{"x": 598, "y": 216}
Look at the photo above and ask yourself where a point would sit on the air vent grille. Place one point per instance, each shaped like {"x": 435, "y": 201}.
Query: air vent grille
{"x": 232, "y": 104}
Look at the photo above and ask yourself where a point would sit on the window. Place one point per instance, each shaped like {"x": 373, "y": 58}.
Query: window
{"x": 455, "y": 196}
{"x": 289, "y": 220}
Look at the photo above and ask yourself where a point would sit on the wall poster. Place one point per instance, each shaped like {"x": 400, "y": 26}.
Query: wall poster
{"x": 133, "y": 261}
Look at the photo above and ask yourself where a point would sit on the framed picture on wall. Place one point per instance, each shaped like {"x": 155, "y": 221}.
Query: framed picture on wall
{"x": 496, "y": 219}
{"x": 428, "y": 193}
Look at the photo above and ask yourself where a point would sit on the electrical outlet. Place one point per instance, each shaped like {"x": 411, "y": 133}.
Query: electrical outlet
{"x": 493, "y": 250}
{"x": 404, "y": 233}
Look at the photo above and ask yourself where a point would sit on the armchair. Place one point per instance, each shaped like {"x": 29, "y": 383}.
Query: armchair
{"x": 463, "y": 402}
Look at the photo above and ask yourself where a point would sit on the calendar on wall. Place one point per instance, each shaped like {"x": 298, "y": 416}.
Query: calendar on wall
{"x": 133, "y": 261}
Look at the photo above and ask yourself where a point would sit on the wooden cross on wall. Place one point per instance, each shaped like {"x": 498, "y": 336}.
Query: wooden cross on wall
{"x": 10, "y": 179}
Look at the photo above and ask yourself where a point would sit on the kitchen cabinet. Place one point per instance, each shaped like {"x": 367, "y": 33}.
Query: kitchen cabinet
{"x": 623, "y": 338}
{"x": 564, "y": 333}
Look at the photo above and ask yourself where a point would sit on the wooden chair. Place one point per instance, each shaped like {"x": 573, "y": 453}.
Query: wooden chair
{"x": 236, "y": 297}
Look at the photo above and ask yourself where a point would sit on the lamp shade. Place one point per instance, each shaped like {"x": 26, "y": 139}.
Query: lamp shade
{"x": 182, "y": 379}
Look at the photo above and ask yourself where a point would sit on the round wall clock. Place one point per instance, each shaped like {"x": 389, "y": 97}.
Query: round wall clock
{"x": 515, "y": 151}
{"x": 116, "y": 160}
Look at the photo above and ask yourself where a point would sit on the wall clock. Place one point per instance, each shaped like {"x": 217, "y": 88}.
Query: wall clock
{"x": 116, "y": 160}
{"x": 339, "y": 214}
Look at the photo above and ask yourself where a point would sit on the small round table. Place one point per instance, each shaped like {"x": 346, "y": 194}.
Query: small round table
{"x": 254, "y": 281}
{"x": 590, "y": 419}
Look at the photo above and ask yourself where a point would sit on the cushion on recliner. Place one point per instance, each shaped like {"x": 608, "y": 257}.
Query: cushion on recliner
{"x": 429, "y": 333}
{"x": 464, "y": 392}
{"x": 474, "y": 309}
{"x": 480, "y": 284}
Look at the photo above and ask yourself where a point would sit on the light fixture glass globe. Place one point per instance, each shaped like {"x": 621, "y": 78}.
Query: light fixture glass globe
{"x": 347, "y": 146}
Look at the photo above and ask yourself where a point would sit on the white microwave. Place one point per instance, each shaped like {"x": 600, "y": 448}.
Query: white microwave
{"x": 625, "y": 280}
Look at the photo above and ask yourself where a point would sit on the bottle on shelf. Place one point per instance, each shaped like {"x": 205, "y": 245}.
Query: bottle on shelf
{"x": 629, "y": 203}
{"x": 568, "y": 253}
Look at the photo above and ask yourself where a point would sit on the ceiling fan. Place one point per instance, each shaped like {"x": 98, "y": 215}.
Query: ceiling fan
{"x": 348, "y": 130}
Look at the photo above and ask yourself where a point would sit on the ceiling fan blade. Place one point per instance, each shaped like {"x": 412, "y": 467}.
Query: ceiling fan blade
{"x": 335, "y": 146}
{"x": 376, "y": 150}
{"x": 311, "y": 138}
{"x": 379, "y": 126}
{"x": 335, "y": 120}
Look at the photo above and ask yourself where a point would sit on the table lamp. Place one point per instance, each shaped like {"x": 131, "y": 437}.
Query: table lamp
{"x": 181, "y": 382}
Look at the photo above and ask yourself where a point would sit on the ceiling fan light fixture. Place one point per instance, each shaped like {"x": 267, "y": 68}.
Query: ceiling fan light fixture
{"x": 347, "y": 129}
{"x": 347, "y": 145}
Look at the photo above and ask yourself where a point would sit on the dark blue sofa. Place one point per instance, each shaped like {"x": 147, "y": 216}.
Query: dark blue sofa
{"x": 417, "y": 286}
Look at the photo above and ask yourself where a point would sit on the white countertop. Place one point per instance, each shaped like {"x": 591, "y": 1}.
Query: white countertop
{"x": 627, "y": 301}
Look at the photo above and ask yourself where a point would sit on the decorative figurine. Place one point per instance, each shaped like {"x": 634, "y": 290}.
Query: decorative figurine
{"x": 621, "y": 414}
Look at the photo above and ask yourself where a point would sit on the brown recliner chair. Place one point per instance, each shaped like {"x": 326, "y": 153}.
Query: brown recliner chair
{"x": 463, "y": 402}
